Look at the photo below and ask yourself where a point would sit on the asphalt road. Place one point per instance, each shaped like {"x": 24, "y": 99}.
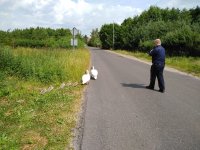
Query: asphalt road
{"x": 122, "y": 115}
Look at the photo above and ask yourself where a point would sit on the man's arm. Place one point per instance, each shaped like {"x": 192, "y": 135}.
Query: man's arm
{"x": 151, "y": 52}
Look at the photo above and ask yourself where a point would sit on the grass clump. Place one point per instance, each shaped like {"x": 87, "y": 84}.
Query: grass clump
{"x": 189, "y": 65}
{"x": 43, "y": 65}
{"x": 29, "y": 119}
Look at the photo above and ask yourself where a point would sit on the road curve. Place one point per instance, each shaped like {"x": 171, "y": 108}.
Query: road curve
{"x": 122, "y": 115}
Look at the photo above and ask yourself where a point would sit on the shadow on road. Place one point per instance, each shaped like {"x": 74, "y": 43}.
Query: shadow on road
{"x": 133, "y": 85}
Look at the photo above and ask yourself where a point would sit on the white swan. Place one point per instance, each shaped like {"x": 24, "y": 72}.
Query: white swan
{"x": 94, "y": 73}
{"x": 86, "y": 78}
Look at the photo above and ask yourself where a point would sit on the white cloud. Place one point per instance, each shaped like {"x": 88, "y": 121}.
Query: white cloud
{"x": 2, "y": 2}
{"x": 61, "y": 13}
{"x": 179, "y": 3}
{"x": 81, "y": 14}
{"x": 38, "y": 4}
{"x": 70, "y": 9}
{"x": 87, "y": 16}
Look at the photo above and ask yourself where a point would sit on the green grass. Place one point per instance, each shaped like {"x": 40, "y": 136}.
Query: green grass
{"x": 189, "y": 65}
{"x": 28, "y": 119}
{"x": 42, "y": 64}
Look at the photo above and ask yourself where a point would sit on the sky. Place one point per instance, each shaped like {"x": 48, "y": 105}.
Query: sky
{"x": 85, "y": 15}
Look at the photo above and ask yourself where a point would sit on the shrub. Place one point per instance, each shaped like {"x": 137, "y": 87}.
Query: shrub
{"x": 146, "y": 45}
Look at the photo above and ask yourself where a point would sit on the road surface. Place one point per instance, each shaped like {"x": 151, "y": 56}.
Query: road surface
{"x": 121, "y": 114}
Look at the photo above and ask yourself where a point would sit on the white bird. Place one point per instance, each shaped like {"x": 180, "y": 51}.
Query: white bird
{"x": 62, "y": 85}
{"x": 94, "y": 73}
{"x": 50, "y": 88}
{"x": 43, "y": 91}
{"x": 86, "y": 77}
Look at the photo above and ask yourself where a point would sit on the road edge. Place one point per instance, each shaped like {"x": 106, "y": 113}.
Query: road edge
{"x": 79, "y": 129}
{"x": 170, "y": 69}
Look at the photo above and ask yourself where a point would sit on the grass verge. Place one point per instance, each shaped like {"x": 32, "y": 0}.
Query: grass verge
{"x": 29, "y": 119}
{"x": 189, "y": 65}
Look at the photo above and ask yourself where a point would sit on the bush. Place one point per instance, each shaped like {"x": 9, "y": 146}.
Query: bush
{"x": 179, "y": 31}
{"x": 38, "y": 38}
{"x": 182, "y": 41}
{"x": 146, "y": 45}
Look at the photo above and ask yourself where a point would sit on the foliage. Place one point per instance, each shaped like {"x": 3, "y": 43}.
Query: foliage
{"x": 179, "y": 31}
{"x": 94, "y": 40}
{"x": 183, "y": 41}
{"x": 39, "y": 37}
{"x": 106, "y": 36}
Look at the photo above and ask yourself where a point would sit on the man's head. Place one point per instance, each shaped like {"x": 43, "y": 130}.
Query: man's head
{"x": 157, "y": 42}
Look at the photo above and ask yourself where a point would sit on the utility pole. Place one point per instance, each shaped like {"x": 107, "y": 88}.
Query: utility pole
{"x": 113, "y": 36}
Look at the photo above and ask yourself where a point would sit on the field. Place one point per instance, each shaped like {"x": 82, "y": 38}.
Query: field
{"x": 40, "y": 96}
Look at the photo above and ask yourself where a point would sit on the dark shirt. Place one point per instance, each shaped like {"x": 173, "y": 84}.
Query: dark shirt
{"x": 158, "y": 55}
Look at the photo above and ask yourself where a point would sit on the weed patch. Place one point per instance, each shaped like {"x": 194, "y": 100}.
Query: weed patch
{"x": 29, "y": 119}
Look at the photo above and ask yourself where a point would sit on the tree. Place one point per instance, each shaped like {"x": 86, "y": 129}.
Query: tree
{"x": 106, "y": 36}
{"x": 111, "y": 36}
{"x": 195, "y": 13}
{"x": 94, "y": 40}
{"x": 39, "y": 37}
{"x": 179, "y": 31}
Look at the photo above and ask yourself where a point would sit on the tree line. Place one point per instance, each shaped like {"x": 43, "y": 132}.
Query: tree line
{"x": 178, "y": 29}
{"x": 39, "y": 37}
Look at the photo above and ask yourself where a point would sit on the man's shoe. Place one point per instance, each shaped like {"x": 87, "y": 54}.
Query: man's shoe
{"x": 148, "y": 87}
{"x": 162, "y": 91}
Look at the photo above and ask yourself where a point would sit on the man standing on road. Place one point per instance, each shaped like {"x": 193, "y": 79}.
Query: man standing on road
{"x": 157, "y": 67}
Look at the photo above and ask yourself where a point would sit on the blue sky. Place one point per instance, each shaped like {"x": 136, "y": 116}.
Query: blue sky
{"x": 85, "y": 15}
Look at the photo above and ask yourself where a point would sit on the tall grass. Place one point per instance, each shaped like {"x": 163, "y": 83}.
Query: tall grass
{"x": 28, "y": 119}
{"x": 187, "y": 64}
{"x": 43, "y": 65}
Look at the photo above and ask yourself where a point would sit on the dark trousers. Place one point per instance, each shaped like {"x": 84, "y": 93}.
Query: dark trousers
{"x": 157, "y": 71}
